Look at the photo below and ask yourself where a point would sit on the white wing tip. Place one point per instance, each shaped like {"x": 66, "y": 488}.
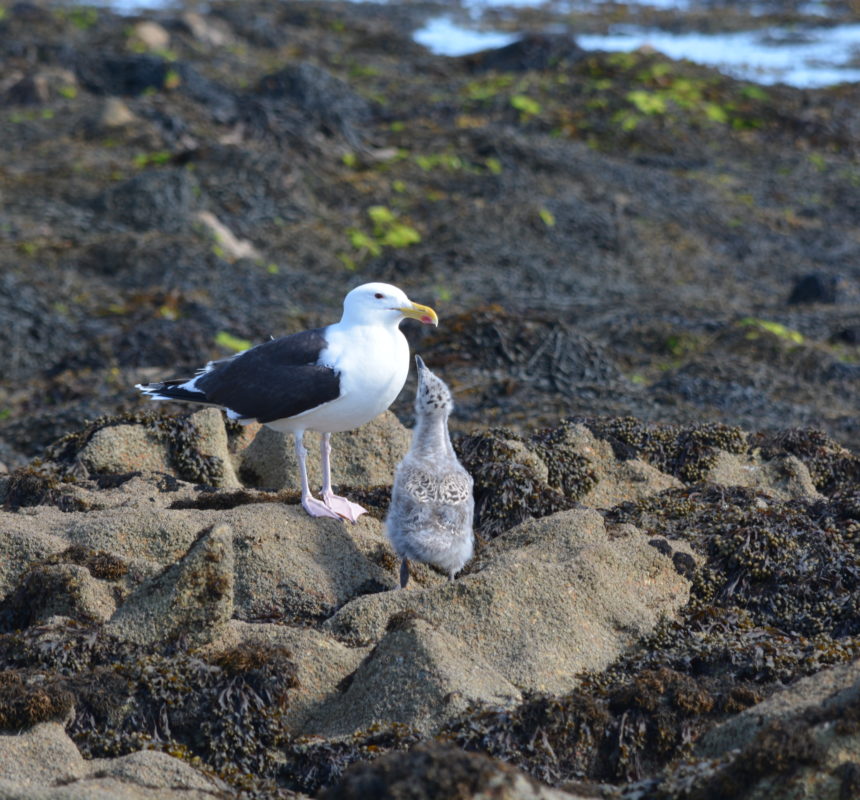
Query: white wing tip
{"x": 151, "y": 393}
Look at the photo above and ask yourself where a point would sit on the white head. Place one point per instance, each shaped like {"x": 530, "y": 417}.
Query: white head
{"x": 433, "y": 397}
{"x": 382, "y": 301}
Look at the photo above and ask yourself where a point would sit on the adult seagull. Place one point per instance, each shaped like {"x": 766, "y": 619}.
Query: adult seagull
{"x": 326, "y": 379}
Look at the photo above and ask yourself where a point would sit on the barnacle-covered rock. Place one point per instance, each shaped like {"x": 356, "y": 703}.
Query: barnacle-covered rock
{"x": 688, "y": 453}
{"x": 194, "y": 447}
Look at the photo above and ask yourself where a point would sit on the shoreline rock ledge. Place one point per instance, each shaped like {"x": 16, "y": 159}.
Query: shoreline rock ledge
{"x": 161, "y": 637}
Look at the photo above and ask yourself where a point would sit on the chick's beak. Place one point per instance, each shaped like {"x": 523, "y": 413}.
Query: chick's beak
{"x": 423, "y": 314}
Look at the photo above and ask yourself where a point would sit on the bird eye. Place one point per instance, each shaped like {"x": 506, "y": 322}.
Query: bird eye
{"x": 379, "y": 295}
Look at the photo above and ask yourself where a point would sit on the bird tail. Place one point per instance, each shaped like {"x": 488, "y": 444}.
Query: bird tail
{"x": 173, "y": 390}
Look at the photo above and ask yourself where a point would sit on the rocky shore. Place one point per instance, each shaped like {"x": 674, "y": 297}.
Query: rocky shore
{"x": 647, "y": 281}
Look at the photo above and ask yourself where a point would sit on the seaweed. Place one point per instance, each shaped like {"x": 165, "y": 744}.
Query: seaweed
{"x": 178, "y": 431}
{"x": 507, "y": 491}
{"x": 23, "y": 704}
{"x": 790, "y": 565}
{"x": 687, "y": 452}
{"x": 311, "y": 763}
{"x": 224, "y": 712}
{"x": 39, "y": 484}
{"x": 427, "y": 771}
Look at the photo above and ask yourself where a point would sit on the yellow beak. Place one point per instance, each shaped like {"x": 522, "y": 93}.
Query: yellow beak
{"x": 423, "y": 314}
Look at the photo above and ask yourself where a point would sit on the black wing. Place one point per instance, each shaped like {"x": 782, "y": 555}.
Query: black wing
{"x": 274, "y": 380}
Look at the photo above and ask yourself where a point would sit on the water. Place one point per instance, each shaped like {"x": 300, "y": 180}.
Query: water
{"x": 808, "y": 57}
{"x": 803, "y": 57}
{"x": 441, "y": 35}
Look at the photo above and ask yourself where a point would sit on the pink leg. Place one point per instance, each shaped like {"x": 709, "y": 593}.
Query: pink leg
{"x": 340, "y": 505}
{"x": 314, "y": 507}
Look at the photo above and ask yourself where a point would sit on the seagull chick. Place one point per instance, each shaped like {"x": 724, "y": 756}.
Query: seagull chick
{"x": 431, "y": 512}
{"x": 326, "y": 379}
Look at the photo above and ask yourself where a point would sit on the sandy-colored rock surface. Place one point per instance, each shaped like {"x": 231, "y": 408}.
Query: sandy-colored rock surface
{"x": 617, "y": 481}
{"x": 830, "y": 691}
{"x": 366, "y": 456}
{"x": 559, "y": 594}
{"x": 193, "y": 598}
{"x": 44, "y": 764}
{"x": 43, "y": 755}
{"x": 785, "y": 478}
{"x": 416, "y": 674}
{"x": 119, "y": 449}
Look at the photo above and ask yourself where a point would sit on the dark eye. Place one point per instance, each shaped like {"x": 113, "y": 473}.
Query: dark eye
{"x": 379, "y": 295}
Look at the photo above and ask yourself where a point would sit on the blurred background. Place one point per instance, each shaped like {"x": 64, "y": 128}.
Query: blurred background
{"x": 646, "y": 209}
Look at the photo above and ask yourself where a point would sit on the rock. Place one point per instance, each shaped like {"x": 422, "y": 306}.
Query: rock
{"x": 437, "y": 770}
{"x": 208, "y": 30}
{"x": 290, "y": 565}
{"x": 848, "y": 335}
{"x": 162, "y": 199}
{"x": 366, "y": 456}
{"x": 287, "y": 563}
{"x": 560, "y": 593}
{"x": 830, "y": 692}
{"x": 416, "y": 675}
{"x": 138, "y": 532}
{"x": 150, "y": 768}
{"x": 41, "y": 87}
{"x": 120, "y": 449}
{"x": 66, "y": 590}
{"x": 44, "y": 764}
{"x": 116, "y": 114}
{"x": 122, "y": 74}
{"x": 322, "y": 663}
{"x": 190, "y": 600}
{"x": 534, "y": 51}
{"x": 232, "y": 247}
{"x": 801, "y": 742}
{"x": 23, "y": 543}
{"x": 41, "y": 756}
{"x": 321, "y": 98}
{"x": 617, "y": 481}
{"x": 149, "y": 35}
{"x": 210, "y": 443}
{"x": 534, "y": 464}
{"x": 816, "y": 287}
{"x": 784, "y": 477}
{"x": 554, "y": 469}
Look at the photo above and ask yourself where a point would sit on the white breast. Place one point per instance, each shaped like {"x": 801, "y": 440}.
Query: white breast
{"x": 373, "y": 362}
